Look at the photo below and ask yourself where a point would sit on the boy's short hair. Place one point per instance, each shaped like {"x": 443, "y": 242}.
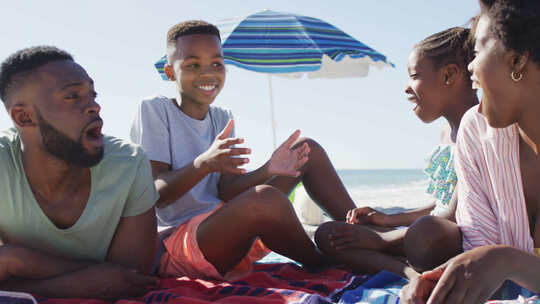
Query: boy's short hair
{"x": 191, "y": 27}
{"x": 17, "y": 66}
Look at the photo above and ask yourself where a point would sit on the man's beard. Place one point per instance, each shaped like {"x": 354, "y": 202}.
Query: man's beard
{"x": 66, "y": 149}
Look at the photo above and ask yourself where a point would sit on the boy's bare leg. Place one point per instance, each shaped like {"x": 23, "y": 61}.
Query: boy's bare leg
{"x": 226, "y": 236}
{"x": 320, "y": 181}
{"x": 431, "y": 241}
{"x": 366, "y": 249}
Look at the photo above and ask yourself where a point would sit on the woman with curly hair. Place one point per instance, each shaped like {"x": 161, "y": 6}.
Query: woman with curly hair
{"x": 497, "y": 163}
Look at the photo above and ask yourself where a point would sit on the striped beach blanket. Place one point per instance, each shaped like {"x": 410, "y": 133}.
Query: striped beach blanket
{"x": 271, "y": 283}
{"x": 268, "y": 283}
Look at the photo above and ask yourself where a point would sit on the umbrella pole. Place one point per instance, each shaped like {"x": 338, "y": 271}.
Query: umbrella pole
{"x": 272, "y": 120}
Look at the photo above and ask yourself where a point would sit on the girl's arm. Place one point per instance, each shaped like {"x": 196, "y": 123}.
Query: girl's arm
{"x": 370, "y": 216}
{"x": 450, "y": 213}
{"x": 407, "y": 218}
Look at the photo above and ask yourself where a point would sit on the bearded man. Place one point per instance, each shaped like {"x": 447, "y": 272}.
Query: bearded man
{"x": 76, "y": 207}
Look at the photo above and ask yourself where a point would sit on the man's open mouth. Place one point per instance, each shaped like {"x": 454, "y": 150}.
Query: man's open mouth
{"x": 93, "y": 132}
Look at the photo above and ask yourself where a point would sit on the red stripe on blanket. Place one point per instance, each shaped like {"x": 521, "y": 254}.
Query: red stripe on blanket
{"x": 269, "y": 283}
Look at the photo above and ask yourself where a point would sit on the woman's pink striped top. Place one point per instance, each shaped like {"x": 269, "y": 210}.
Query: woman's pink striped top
{"x": 491, "y": 203}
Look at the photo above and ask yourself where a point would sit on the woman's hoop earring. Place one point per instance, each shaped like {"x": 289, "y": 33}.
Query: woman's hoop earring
{"x": 516, "y": 77}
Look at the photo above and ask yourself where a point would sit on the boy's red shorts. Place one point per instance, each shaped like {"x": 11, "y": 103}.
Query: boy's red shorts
{"x": 184, "y": 258}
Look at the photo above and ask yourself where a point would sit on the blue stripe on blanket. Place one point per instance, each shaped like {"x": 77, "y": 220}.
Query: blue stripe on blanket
{"x": 381, "y": 288}
{"x": 384, "y": 287}
{"x": 511, "y": 290}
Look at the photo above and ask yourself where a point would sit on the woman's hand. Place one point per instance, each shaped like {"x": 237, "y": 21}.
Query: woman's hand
{"x": 418, "y": 290}
{"x": 471, "y": 277}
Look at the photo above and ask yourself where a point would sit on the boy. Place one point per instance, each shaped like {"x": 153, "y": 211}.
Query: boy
{"x": 220, "y": 214}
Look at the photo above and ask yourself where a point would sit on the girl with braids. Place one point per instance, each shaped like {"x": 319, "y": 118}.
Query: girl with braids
{"x": 439, "y": 86}
{"x": 498, "y": 164}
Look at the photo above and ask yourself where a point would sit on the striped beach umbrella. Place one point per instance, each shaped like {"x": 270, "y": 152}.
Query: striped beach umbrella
{"x": 289, "y": 45}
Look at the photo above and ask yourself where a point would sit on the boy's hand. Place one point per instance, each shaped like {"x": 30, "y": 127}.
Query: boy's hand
{"x": 367, "y": 216}
{"x": 221, "y": 157}
{"x": 286, "y": 161}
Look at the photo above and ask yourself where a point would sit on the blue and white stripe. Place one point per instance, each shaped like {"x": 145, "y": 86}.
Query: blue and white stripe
{"x": 281, "y": 43}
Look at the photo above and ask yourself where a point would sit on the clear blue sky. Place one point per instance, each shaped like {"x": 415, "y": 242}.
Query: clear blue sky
{"x": 362, "y": 123}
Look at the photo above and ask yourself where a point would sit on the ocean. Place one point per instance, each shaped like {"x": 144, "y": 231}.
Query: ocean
{"x": 389, "y": 190}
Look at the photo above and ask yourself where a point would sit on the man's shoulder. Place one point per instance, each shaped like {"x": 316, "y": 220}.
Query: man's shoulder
{"x": 8, "y": 136}
{"x": 8, "y": 141}
{"x": 10, "y": 150}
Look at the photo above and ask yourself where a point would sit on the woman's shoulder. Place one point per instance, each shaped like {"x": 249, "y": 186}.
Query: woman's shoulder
{"x": 474, "y": 128}
{"x": 473, "y": 120}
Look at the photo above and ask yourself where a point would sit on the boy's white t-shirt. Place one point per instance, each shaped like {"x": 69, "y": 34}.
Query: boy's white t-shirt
{"x": 168, "y": 135}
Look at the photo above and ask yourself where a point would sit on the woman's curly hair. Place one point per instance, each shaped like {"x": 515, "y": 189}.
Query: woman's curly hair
{"x": 516, "y": 23}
